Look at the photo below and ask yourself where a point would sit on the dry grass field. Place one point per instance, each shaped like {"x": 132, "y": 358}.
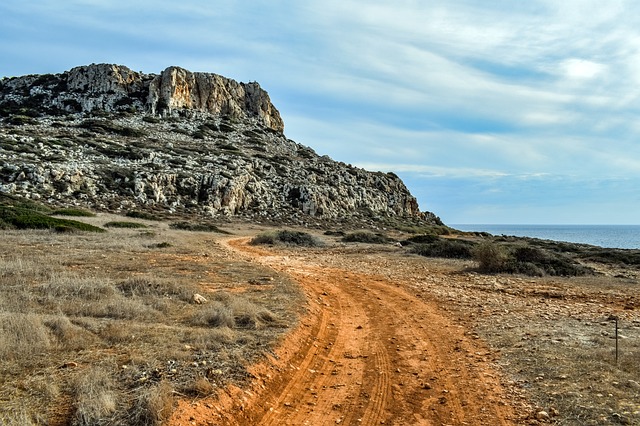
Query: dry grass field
{"x": 103, "y": 328}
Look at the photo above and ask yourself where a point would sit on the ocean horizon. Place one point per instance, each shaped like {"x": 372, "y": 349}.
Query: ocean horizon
{"x": 609, "y": 236}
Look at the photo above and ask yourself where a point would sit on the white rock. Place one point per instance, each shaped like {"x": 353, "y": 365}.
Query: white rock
{"x": 199, "y": 299}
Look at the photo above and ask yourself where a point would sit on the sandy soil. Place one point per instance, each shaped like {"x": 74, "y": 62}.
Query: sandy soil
{"x": 370, "y": 350}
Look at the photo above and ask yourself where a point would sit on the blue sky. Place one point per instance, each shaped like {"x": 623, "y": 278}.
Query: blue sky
{"x": 492, "y": 111}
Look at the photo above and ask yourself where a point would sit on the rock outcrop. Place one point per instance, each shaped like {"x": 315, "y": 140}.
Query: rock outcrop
{"x": 109, "y": 138}
{"x": 176, "y": 89}
{"x": 113, "y": 88}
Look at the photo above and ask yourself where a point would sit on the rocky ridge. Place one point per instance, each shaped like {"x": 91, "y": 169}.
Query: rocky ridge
{"x": 108, "y": 138}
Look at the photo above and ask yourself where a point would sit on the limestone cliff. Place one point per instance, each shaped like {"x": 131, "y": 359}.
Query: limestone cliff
{"x": 114, "y": 88}
{"x": 176, "y": 89}
{"x": 109, "y": 138}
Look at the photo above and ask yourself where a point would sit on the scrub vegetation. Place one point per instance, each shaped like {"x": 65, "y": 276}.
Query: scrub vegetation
{"x": 102, "y": 328}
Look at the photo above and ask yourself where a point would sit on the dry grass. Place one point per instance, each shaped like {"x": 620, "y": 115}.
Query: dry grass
{"x": 21, "y": 335}
{"x": 101, "y": 328}
{"x": 96, "y": 398}
{"x": 154, "y": 405}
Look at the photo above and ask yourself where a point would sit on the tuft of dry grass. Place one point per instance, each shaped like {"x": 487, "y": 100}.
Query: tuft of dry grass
{"x": 153, "y": 406}
{"x": 17, "y": 417}
{"x": 96, "y": 398}
{"x": 202, "y": 387}
{"x": 22, "y": 334}
{"x": 216, "y": 314}
{"x": 248, "y": 315}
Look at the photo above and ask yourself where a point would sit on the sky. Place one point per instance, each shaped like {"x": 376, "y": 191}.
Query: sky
{"x": 491, "y": 111}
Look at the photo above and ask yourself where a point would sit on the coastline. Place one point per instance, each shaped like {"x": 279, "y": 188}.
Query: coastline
{"x": 604, "y": 236}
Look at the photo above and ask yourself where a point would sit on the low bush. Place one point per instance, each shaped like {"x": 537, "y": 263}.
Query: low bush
{"x": 163, "y": 244}
{"x": 150, "y": 119}
{"x": 7, "y": 200}
{"x": 21, "y": 120}
{"x": 491, "y": 257}
{"x": 250, "y": 316}
{"x": 106, "y": 126}
{"x": 365, "y": 237}
{"x": 21, "y": 218}
{"x": 423, "y": 239}
{"x": 197, "y": 227}
{"x": 144, "y": 287}
{"x": 446, "y": 248}
{"x": 296, "y": 238}
{"x": 201, "y": 387}
{"x": 73, "y": 212}
{"x": 522, "y": 258}
{"x": 125, "y": 225}
{"x": 142, "y": 215}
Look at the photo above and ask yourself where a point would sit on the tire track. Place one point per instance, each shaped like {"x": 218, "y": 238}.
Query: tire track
{"x": 379, "y": 355}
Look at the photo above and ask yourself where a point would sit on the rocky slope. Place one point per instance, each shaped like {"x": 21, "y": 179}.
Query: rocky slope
{"x": 109, "y": 138}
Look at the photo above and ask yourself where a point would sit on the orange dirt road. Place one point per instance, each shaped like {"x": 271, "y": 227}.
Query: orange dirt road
{"x": 368, "y": 352}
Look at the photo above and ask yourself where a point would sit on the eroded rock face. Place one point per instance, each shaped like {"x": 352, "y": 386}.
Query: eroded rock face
{"x": 176, "y": 89}
{"x": 103, "y": 78}
{"x": 114, "y": 88}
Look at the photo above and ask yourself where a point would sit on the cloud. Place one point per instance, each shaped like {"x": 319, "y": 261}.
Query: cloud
{"x": 581, "y": 69}
{"x": 460, "y": 93}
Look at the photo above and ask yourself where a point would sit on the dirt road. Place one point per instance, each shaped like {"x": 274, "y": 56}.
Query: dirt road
{"x": 367, "y": 352}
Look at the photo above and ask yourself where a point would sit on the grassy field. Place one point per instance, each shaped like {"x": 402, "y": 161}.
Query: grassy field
{"x": 103, "y": 327}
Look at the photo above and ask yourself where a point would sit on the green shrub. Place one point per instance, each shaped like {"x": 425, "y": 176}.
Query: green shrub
{"x": 106, "y": 126}
{"x": 226, "y": 128}
{"x": 73, "y": 212}
{"x": 365, "y": 237}
{"x": 446, "y": 248}
{"x": 21, "y": 218}
{"x": 20, "y": 120}
{"x": 491, "y": 257}
{"x": 18, "y": 202}
{"x": 142, "y": 215}
{"x": 423, "y": 239}
{"x": 295, "y": 238}
{"x": 522, "y": 258}
{"x": 125, "y": 225}
{"x": 150, "y": 119}
{"x": 163, "y": 244}
{"x": 197, "y": 227}
{"x": 335, "y": 233}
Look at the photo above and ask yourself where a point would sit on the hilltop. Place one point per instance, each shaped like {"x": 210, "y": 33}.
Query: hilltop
{"x": 112, "y": 139}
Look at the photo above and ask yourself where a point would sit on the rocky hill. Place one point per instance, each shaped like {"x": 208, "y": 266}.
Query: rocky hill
{"x": 108, "y": 138}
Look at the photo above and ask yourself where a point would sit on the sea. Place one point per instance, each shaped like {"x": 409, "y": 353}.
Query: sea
{"x": 609, "y": 236}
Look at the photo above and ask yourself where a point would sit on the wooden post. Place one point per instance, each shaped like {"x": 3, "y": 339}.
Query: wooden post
{"x": 616, "y": 340}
